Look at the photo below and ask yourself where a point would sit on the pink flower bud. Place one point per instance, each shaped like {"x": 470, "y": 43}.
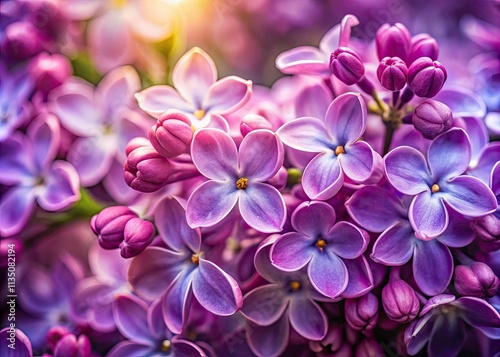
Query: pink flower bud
{"x": 172, "y": 134}
{"x": 137, "y": 236}
{"x": 253, "y": 122}
{"x": 392, "y": 73}
{"x": 109, "y": 225}
{"x": 362, "y": 313}
{"x": 49, "y": 71}
{"x": 400, "y": 302}
{"x": 70, "y": 346}
{"x": 432, "y": 118}
{"x": 426, "y": 77}
{"x": 487, "y": 228}
{"x": 346, "y": 65}
{"x": 136, "y": 143}
{"x": 393, "y": 41}
{"x": 21, "y": 40}
{"x": 146, "y": 170}
{"x": 54, "y": 336}
{"x": 477, "y": 280}
{"x": 423, "y": 45}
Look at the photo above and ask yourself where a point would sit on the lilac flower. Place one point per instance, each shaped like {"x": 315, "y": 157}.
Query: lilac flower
{"x": 110, "y": 122}
{"x": 181, "y": 271}
{"x": 146, "y": 332}
{"x": 321, "y": 245}
{"x": 19, "y": 340}
{"x": 443, "y": 316}
{"x": 197, "y": 92}
{"x": 27, "y": 164}
{"x": 237, "y": 176}
{"x": 337, "y": 142}
{"x": 438, "y": 181}
{"x": 379, "y": 210}
{"x": 288, "y": 299}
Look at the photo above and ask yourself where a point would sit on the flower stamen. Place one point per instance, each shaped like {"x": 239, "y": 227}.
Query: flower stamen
{"x": 435, "y": 188}
{"x": 321, "y": 244}
{"x": 165, "y": 345}
{"x": 195, "y": 258}
{"x": 199, "y": 114}
{"x": 295, "y": 285}
{"x": 339, "y": 150}
{"x": 242, "y": 183}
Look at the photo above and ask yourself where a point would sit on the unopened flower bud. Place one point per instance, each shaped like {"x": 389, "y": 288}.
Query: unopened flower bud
{"x": 392, "y": 73}
{"x": 136, "y": 143}
{"x": 487, "y": 228}
{"x": 49, "y": 71}
{"x": 393, "y": 41}
{"x": 54, "y": 335}
{"x": 21, "y": 40}
{"x": 70, "y": 346}
{"x": 109, "y": 225}
{"x": 362, "y": 313}
{"x": 426, "y": 77}
{"x": 368, "y": 347}
{"x": 346, "y": 65}
{"x": 423, "y": 45}
{"x": 477, "y": 280}
{"x": 172, "y": 134}
{"x": 146, "y": 170}
{"x": 400, "y": 302}
{"x": 138, "y": 235}
{"x": 253, "y": 122}
{"x": 432, "y": 118}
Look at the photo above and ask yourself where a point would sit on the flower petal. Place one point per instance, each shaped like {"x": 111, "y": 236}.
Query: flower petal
{"x": 328, "y": 274}
{"x": 481, "y": 315}
{"x": 459, "y": 232}
{"x": 487, "y": 160}
{"x": 268, "y": 340}
{"x": 470, "y": 196}
{"x": 177, "y": 300}
{"x": 313, "y": 100}
{"x": 157, "y": 99}
{"x": 262, "y": 261}
{"x": 308, "y": 319}
{"x": 16, "y": 166}
{"x": 407, "y": 171}
{"x": 216, "y": 290}
{"x": 130, "y": 314}
{"x": 214, "y": 154}
{"x": 361, "y": 163}
{"x": 418, "y": 333}
{"x": 170, "y": 218}
{"x": 210, "y": 203}
{"x": 360, "y": 277}
{"x": 346, "y": 240}
{"x": 61, "y": 187}
{"x": 262, "y": 207}
{"x": 394, "y": 246}
{"x": 22, "y": 343}
{"x": 462, "y": 102}
{"x": 305, "y": 134}
{"x": 16, "y": 207}
{"x": 193, "y": 75}
{"x": 449, "y": 154}
{"x": 330, "y": 41}
{"x": 227, "y": 95}
{"x": 453, "y": 329}
{"x": 313, "y": 218}
{"x": 303, "y": 60}
{"x": 291, "y": 251}
{"x": 322, "y": 177}
{"x": 44, "y": 133}
{"x": 432, "y": 266}
{"x": 260, "y": 156}
{"x": 151, "y": 272}
{"x": 375, "y": 208}
{"x": 264, "y": 305}
{"x": 345, "y": 118}
{"x": 428, "y": 215}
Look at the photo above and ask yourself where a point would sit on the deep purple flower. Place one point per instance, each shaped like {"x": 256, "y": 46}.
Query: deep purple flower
{"x": 237, "y": 176}
{"x": 423, "y": 45}
{"x": 393, "y": 41}
{"x": 439, "y": 180}
{"x": 392, "y": 73}
{"x": 323, "y": 247}
{"x": 337, "y": 142}
{"x": 181, "y": 271}
{"x": 27, "y": 164}
{"x": 400, "y": 302}
{"x": 477, "y": 280}
{"x": 442, "y": 324}
{"x": 146, "y": 332}
{"x": 16, "y": 337}
{"x": 68, "y": 345}
{"x": 346, "y": 65}
{"x": 362, "y": 313}
{"x": 426, "y": 77}
{"x": 432, "y": 118}
{"x": 197, "y": 92}
{"x": 379, "y": 210}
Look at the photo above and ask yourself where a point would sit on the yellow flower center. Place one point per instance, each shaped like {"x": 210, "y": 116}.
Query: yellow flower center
{"x": 165, "y": 345}
{"x": 321, "y": 244}
{"x": 435, "y": 188}
{"x": 199, "y": 114}
{"x": 242, "y": 183}
{"x": 195, "y": 258}
{"x": 339, "y": 150}
{"x": 295, "y": 285}
{"x": 118, "y": 4}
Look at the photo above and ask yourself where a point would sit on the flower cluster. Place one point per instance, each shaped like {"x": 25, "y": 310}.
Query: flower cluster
{"x": 353, "y": 205}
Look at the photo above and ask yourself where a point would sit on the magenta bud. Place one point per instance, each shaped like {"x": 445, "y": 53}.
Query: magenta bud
{"x": 137, "y": 236}
{"x": 423, "y": 45}
{"x": 426, "y": 77}
{"x": 49, "y": 71}
{"x": 400, "y": 302}
{"x": 146, "y": 170}
{"x": 362, "y": 313}
{"x": 477, "y": 280}
{"x": 346, "y": 65}
{"x": 54, "y": 336}
{"x": 392, "y": 73}
{"x": 70, "y": 346}
{"x": 109, "y": 225}
{"x": 487, "y": 228}
{"x": 393, "y": 41}
{"x": 368, "y": 347}
{"x": 252, "y": 122}
{"x": 21, "y": 40}
{"x": 432, "y": 118}
{"x": 172, "y": 134}
{"x": 136, "y": 143}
